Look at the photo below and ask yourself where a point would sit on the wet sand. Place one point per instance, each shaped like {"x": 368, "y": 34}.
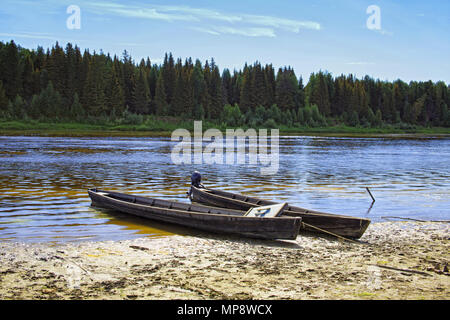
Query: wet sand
{"x": 394, "y": 260}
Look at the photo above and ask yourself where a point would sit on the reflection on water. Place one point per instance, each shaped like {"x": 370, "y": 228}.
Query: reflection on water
{"x": 43, "y": 181}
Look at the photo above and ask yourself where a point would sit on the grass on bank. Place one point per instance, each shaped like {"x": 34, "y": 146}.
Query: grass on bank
{"x": 153, "y": 126}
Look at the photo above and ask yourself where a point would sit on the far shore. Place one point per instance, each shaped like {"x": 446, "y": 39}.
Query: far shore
{"x": 393, "y": 260}
{"x": 22, "y": 128}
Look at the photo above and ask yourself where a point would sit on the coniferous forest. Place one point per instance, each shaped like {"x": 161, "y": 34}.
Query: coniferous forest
{"x": 67, "y": 85}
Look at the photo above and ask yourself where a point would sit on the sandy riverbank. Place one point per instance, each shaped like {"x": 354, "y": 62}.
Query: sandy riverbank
{"x": 187, "y": 267}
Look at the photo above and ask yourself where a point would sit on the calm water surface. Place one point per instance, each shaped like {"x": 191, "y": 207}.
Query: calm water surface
{"x": 44, "y": 181}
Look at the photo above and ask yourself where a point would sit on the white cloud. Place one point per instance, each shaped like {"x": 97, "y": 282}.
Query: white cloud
{"x": 201, "y": 13}
{"x": 151, "y": 14}
{"x": 247, "y": 32}
{"x": 238, "y": 24}
{"x": 206, "y": 30}
{"x": 286, "y": 24}
{"x": 360, "y": 63}
{"x": 384, "y": 32}
{"x": 30, "y": 35}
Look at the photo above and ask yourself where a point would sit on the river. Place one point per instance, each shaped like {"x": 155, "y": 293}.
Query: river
{"x": 44, "y": 181}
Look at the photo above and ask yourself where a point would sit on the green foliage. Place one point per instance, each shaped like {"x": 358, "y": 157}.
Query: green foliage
{"x": 64, "y": 83}
{"x": 76, "y": 109}
{"x": 353, "y": 119}
{"x": 310, "y": 116}
{"x": 270, "y": 124}
{"x": 318, "y": 91}
{"x": 161, "y": 105}
{"x": 378, "y": 119}
{"x": 232, "y": 116}
{"x": 199, "y": 112}
{"x": 3, "y": 102}
{"x": 47, "y": 105}
{"x": 18, "y": 108}
{"x": 286, "y": 89}
{"x": 274, "y": 113}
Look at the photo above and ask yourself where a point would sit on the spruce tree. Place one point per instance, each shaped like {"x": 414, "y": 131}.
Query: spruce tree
{"x": 258, "y": 93}
{"x": 161, "y": 106}
{"x": 177, "y": 106}
{"x": 141, "y": 94}
{"x": 56, "y": 67}
{"x": 27, "y": 78}
{"x": 76, "y": 109}
{"x": 169, "y": 77}
{"x": 286, "y": 89}
{"x": 116, "y": 98}
{"x": 269, "y": 87}
{"x": 300, "y": 99}
{"x": 245, "y": 99}
{"x": 10, "y": 70}
{"x": 199, "y": 90}
{"x": 215, "y": 92}
{"x": 227, "y": 90}
{"x": 3, "y": 101}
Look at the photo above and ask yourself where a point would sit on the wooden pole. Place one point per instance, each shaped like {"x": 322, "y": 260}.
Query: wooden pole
{"x": 373, "y": 199}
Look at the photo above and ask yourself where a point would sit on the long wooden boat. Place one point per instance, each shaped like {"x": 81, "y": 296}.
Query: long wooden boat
{"x": 313, "y": 221}
{"x": 217, "y": 220}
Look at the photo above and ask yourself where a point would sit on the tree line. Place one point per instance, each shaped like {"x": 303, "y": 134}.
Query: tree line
{"x": 65, "y": 84}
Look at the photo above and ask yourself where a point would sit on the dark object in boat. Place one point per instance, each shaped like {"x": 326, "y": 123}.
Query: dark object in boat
{"x": 196, "y": 179}
{"x": 313, "y": 221}
{"x": 217, "y": 220}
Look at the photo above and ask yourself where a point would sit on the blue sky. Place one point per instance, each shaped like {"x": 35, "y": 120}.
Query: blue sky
{"x": 411, "y": 43}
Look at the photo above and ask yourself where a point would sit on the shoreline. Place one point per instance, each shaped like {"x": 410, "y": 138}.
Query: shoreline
{"x": 394, "y": 260}
{"x": 165, "y": 127}
{"x": 167, "y": 134}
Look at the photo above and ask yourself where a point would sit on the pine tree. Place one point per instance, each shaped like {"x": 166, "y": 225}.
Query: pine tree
{"x": 318, "y": 92}
{"x": 258, "y": 86}
{"x": 78, "y": 77}
{"x": 128, "y": 75}
{"x": 246, "y": 102}
{"x": 199, "y": 90}
{"x": 76, "y": 109}
{"x": 378, "y": 118}
{"x": 18, "y": 108}
{"x": 236, "y": 83}
{"x": 177, "y": 106}
{"x": 116, "y": 96}
{"x": 227, "y": 89}
{"x": 10, "y": 70}
{"x": 206, "y": 99}
{"x": 152, "y": 78}
{"x": 3, "y": 101}
{"x": 286, "y": 89}
{"x": 188, "y": 92}
{"x": 169, "y": 76}
{"x": 51, "y": 102}
{"x": 56, "y": 67}
{"x": 71, "y": 74}
{"x": 36, "y": 107}
{"x": 161, "y": 106}
{"x": 141, "y": 94}
{"x": 94, "y": 99}
{"x": 269, "y": 78}
{"x": 215, "y": 92}
{"x": 27, "y": 78}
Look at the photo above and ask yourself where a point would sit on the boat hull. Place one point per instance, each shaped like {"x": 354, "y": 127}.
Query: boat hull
{"x": 313, "y": 221}
{"x": 199, "y": 217}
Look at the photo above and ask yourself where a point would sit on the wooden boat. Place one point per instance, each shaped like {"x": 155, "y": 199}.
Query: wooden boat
{"x": 217, "y": 220}
{"x": 313, "y": 221}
